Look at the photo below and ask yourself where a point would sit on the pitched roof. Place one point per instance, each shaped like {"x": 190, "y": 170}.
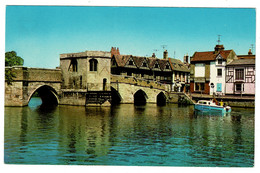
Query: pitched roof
{"x": 138, "y": 60}
{"x": 178, "y": 65}
{"x": 242, "y": 62}
{"x": 246, "y": 56}
{"x": 210, "y": 55}
{"x": 151, "y": 62}
{"x": 121, "y": 60}
{"x": 162, "y": 63}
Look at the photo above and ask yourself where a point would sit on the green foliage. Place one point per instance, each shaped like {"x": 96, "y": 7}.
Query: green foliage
{"x": 9, "y": 75}
{"x": 11, "y": 59}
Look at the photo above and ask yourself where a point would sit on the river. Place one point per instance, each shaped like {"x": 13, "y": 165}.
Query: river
{"x": 126, "y": 134}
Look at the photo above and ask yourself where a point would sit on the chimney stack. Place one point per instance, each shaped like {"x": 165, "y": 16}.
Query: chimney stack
{"x": 153, "y": 55}
{"x": 186, "y": 59}
{"x": 249, "y": 52}
{"x": 218, "y": 48}
{"x": 114, "y": 51}
{"x": 165, "y": 54}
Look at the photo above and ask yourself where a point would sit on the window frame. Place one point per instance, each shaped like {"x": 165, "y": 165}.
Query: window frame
{"x": 93, "y": 65}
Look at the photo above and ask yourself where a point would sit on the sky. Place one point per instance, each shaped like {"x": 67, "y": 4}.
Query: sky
{"x": 40, "y": 33}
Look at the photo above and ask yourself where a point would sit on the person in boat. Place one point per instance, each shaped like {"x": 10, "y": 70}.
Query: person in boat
{"x": 215, "y": 101}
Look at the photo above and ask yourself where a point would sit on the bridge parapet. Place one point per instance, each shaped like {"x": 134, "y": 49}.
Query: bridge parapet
{"x": 138, "y": 82}
{"x": 36, "y": 74}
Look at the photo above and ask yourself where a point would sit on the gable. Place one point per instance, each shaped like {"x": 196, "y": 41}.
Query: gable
{"x": 144, "y": 64}
{"x": 130, "y": 63}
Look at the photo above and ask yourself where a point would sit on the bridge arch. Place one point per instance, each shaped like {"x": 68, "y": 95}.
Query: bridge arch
{"x": 161, "y": 99}
{"x": 47, "y": 94}
{"x": 140, "y": 97}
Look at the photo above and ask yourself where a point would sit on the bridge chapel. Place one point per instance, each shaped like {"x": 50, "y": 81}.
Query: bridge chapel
{"x": 86, "y": 77}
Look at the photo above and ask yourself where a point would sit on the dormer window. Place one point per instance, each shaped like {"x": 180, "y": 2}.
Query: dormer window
{"x": 220, "y": 61}
{"x": 144, "y": 64}
{"x": 156, "y": 66}
{"x": 131, "y": 62}
{"x": 167, "y": 66}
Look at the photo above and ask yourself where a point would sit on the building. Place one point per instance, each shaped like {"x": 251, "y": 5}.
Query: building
{"x": 181, "y": 74}
{"x": 147, "y": 68}
{"x": 240, "y": 75}
{"x": 207, "y": 73}
{"x": 84, "y": 76}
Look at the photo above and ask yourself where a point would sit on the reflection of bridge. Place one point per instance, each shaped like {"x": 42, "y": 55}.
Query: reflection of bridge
{"x": 47, "y": 83}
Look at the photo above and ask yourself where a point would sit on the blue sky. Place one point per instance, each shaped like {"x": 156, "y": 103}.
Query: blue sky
{"x": 40, "y": 33}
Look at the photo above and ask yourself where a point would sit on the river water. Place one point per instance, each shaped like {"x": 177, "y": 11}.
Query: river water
{"x": 126, "y": 134}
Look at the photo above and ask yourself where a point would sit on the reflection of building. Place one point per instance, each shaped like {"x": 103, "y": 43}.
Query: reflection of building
{"x": 240, "y": 75}
{"x": 85, "y": 75}
{"x": 208, "y": 70}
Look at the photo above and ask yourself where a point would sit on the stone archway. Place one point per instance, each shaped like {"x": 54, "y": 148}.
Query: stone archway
{"x": 47, "y": 94}
{"x": 161, "y": 99}
{"x": 140, "y": 97}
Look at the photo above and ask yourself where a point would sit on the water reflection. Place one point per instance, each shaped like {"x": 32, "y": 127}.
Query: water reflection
{"x": 150, "y": 135}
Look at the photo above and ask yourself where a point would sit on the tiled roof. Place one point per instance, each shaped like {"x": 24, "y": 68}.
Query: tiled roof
{"x": 138, "y": 60}
{"x": 178, "y": 65}
{"x": 151, "y": 62}
{"x": 242, "y": 62}
{"x": 210, "y": 55}
{"x": 121, "y": 60}
{"x": 162, "y": 63}
{"x": 246, "y": 56}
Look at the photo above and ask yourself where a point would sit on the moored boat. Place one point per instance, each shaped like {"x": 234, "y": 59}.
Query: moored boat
{"x": 208, "y": 105}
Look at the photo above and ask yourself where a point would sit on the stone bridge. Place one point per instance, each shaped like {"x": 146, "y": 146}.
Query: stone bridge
{"x": 127, "y": 89}
{"x": 27, "y": 81}
{"x": 47, "y": 83}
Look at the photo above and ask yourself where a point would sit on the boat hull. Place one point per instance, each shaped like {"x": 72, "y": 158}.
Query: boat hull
{"x": 211, "y": 108}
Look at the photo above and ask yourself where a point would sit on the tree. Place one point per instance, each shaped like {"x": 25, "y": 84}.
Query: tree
{"x": 11, "y": 59}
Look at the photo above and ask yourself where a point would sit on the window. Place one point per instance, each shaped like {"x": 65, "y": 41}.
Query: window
{"x": 156, "y": 66}
{"x": 144, "y": 64}
{"x": 220, "y": 61}
{"x": 199, "y": 86}
{"x": 239, "y": 87}
{"x": 93, "y": 65}
{"x": 239, "y": 74}
{"x": 73, "y": 65}
{"x": 131, "y": 62}
{"x": 219, "y": 72}
{"x": 167, "y": 66}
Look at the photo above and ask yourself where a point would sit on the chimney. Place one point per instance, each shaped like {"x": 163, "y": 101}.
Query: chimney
{"x": 219, "y": 48}
{"x": 186, "y": 59}
{"x": 153, "y": 55}
{"x": 114, "y": 51}
{"x": 165, "y": 54}
{"x": 249, "y": 52}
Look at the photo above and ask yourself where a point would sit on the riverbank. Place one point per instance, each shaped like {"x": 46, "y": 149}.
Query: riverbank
{"x": 231, "y": 100}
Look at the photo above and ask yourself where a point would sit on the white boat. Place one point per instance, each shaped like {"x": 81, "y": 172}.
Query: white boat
{"x": 209, "y": 105}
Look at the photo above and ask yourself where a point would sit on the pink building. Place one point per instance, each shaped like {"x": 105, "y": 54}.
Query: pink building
{"x": 240, "y": 76}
